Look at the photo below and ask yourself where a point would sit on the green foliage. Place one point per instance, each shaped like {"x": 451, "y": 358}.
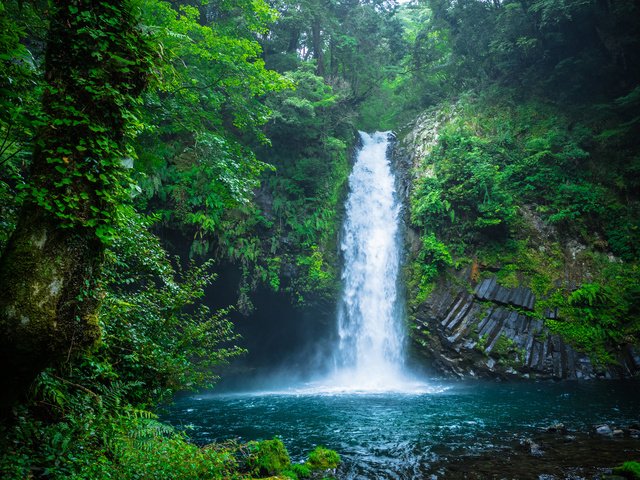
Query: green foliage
{"x": 268, "y": 457}
{"x": 20, "y": 84}
{"x": 429, "y": 62}
{"x": 481, "y": 344}
{"x": 563, "y": 50}
{"x": 69, "y": 431}
{"x": 355, "y": 44}
{"x": 630, "y": 470}
{"x": 505, "y": 351}
{"x": 595, "y": 316}
{"x": 197, "y": 159}
{"x": 199, "y": 162}
{"x": 304, "y": 109}
{"x": 338, "y": 57}
{"x": 72, "y": 432}
{"x": 90, "y": 417}
{"x": 162, "y": 338}
{"x": 310, "y": 133}
{"x": 317, "y": 277}
{"x": 485, "y": 159}
{"x": 432, "y": 258}
{"x": 197, "y": 131}
{"x": 97, "y": 66}
{"x": 468, "y": 194}
{"x": 380, "y": 112}
{"x": 599, "y": 315}
{"x": 297, "y": 471}
{"x": 509, "y": 185}
{"x": 322, "y": 458}
{"x": 320, "y": 461}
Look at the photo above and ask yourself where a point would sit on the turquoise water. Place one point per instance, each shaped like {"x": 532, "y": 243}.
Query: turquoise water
{"x": 400, "y": 435}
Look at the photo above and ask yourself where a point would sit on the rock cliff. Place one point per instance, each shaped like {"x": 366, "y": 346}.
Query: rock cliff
{"x": 472, "y": 324}
{"x": 491, "y": 331}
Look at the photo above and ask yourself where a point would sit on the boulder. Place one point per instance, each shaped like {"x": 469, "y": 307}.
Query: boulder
{"x": 534, "y": 448}
{"x": 557, "y": 428}
{"x": 604, "y": 430}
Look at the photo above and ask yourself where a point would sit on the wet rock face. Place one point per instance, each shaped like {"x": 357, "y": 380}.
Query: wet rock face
{"x": 489, "y": 333}
{"x": 475, "y": 327}
{"x": 521, "y": 297}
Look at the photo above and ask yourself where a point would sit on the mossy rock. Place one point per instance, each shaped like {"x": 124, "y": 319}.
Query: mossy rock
{"x": 268, "y": 457}
{"x": 276, "y": 477}
{"x": 323, "y": 459}
{"x": 628, "y": 470}
{"x": 298, "y": 471}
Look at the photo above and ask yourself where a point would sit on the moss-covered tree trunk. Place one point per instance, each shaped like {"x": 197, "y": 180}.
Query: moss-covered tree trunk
{"x": 96, "y": 66}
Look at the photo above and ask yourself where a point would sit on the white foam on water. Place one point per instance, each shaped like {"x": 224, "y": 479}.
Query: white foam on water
{"x": 370, "y": 354}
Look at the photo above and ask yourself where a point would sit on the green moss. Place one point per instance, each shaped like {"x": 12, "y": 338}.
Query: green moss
{"x": 268, "y": 457}
{"x": 507, "y": 352}
{"x": 481, "y": 345}
{"x": 297, "y": 471}
{"x": 322, "y": 458}
{"x": 502, "y": 346}
{"x": 629, "y": 470}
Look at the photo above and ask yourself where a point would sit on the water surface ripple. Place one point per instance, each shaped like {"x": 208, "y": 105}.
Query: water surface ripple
{"x": 402, "y": 436}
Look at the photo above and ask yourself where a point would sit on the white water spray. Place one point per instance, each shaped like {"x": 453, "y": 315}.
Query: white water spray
{"x": 370, "y": 352}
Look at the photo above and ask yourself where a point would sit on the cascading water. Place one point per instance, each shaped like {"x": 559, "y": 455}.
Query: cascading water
{"x": 384, "y": 423}
{"x": 370, "y": 353}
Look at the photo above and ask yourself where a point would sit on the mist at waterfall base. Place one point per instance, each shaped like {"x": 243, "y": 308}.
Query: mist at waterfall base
{"x": 370, "y": 352}
{"x": 338, "y": 377}
{"x": 359, "y": 344}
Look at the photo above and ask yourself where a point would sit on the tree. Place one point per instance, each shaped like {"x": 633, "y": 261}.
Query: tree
{"x": 564, "y": 50}
{"x": 20, "y": 82}
{"x": 97, "y": 64}
{"x": 206, "y": 114}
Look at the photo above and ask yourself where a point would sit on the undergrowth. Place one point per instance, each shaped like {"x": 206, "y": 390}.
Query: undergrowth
{"x": 518, "y": 190}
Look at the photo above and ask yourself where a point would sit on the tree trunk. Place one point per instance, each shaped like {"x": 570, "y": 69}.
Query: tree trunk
{"x": 50, "y": 269}
{"x": 294, "y": 41}
{"x": 48, "y": 300}
{"x": 318, "y": 52}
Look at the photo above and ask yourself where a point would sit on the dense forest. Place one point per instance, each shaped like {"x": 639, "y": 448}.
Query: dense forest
{"x": 149, "y": 146}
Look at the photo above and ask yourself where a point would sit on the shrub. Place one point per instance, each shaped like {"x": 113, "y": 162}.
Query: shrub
{"x": 629, "y": 470}
{"x": 268, "y": 457}
{"x": 322, "y": 458}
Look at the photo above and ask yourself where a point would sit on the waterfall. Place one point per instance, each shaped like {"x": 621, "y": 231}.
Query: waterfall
{"x": 370, "y": 350}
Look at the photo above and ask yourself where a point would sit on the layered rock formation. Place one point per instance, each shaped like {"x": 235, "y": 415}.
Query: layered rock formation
{"x": 472, "y": 326}
{"x": 491, "y": 332}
